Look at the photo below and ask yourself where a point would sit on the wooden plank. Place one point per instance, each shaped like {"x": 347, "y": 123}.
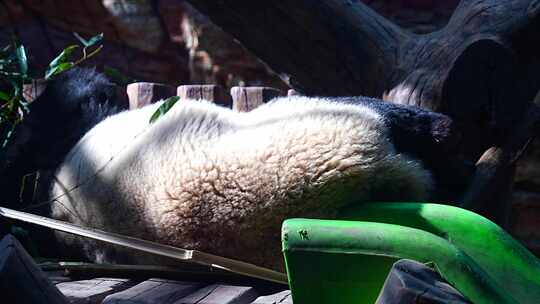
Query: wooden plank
{"x": 57, "y": 276}
{"x": 144, "y": 93}
{"x": 181, "y": 271}
{"x": 284, "y": 297}
{"x": 92, "y": 291}
{"x": 209, "y": 92}
{"x": 246, "y": 99}
{"x": 21, "y": 278}
{"x": 221, "y": 294}
{"x": 33, "y": 90}
{"x": 154, "y": 291}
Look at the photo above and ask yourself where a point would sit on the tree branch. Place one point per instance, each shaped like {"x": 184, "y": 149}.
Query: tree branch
{"x": 327, "y": 47}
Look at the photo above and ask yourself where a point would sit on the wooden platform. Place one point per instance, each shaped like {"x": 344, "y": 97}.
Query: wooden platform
{"x": 22, "y": 280}
{"x": 155, "y": 290}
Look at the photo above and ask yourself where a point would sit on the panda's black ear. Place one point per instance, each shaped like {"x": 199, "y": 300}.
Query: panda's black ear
{"x": 446, "y": 133}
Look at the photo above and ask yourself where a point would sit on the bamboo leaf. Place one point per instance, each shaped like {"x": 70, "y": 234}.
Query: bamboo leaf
{"x": 22, "y": 60}
{"x": 62, "y": 58}
{"x": 58, "y": 69}
{"x": 90, "y": 42}
{"x": 94, "y": 40}
{"x": 17, "y": 87}
{"x": 164, "y": 108}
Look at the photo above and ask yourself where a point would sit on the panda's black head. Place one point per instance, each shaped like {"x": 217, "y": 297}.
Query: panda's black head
{"x": 432, "y": 138}
{"x": 436, "y": 141}
{"x": 71, "y": 104}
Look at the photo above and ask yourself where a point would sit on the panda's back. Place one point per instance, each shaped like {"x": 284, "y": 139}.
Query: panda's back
{"x": 203, "y": 173}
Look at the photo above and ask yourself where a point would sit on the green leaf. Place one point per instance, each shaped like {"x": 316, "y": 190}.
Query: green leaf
{"x": 164, "y": 108}
{"x": 22, "y": 59}
{"x": 4, "y": 96}
{"x": 92, "y": 41}
{"x": 17, "y": 87}
{"x": 62, "y": 58}
{"x": 64, "y": 55}
{"x": 58, "y": 69}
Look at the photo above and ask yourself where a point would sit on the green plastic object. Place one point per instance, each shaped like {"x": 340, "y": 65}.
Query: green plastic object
{"x": 336, "y": 261}
{"x": 513, "y": 268}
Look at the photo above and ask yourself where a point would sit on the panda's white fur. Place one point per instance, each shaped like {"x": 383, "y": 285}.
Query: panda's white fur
{"x": 209, "y": 178}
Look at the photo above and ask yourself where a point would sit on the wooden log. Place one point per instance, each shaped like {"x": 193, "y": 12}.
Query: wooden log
{"x": 325, "y": 47}
{"x": 92, "y": 291}
{"x": 21, "y": 280}
{"x": 492, "y": 182}
{"x": 214, "y": 93}
{"x": 145, "y": 93}
{"x": 526, "y": 219}
{"x": 154, "y": 291}
{"x": 222, "y": 294}
{"x": 246, "y": 99}
{"x": 334, "y": 47}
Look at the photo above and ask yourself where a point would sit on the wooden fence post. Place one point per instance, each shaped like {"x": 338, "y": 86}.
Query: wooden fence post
{"x": 246, "y": 99}
{"x": 209, "y": 92}
{"x": 144, "y": 93}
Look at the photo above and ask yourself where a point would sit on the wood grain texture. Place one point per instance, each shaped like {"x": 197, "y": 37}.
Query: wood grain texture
{"x": 222, "y": 294}
{"x": 144, "y": 93}
{"x": 246, "y": 99}
{"x": 214, "y": 93}
{"x": 342, "y": 47}
{"x": 92, "y": 291}
{"x": 154, "y": 291}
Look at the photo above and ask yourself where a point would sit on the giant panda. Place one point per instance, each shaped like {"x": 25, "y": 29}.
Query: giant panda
{"x": 206, "y": 177}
